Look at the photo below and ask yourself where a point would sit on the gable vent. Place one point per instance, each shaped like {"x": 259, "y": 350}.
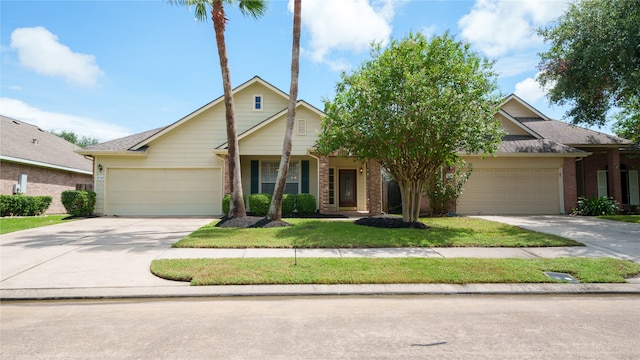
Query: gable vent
{"x": 301, "y": 128}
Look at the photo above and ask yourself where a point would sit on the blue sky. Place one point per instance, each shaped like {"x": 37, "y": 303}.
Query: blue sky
{"x": 107, "y": 69}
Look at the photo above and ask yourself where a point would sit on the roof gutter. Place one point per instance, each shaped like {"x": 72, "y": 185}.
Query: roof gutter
{"x": 46, "y": 165}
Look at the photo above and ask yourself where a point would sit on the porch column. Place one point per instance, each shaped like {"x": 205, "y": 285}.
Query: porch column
{"x": 569, "y": 184}
{"x": 226, "y": 176}
{"x": 614, "y": 179}
{"x": 374, "y": 187}
{"x": 323, "y": 191}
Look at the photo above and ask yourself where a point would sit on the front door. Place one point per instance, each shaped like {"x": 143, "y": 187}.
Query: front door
{"x": 348, "y": 191}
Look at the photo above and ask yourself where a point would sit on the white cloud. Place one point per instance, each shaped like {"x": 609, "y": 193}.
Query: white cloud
{"x": 508, "y": 66}
{"x": 345, "y": 25}
{"x": 39, "y": 50}
{"x": 530, "y": 90}
{"x": 496, "y": 27}
{"x": 52, "y": 121}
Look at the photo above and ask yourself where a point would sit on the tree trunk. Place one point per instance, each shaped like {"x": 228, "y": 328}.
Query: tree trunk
{"x": 411, "y": 192}
{"x": 275, "y": 208}
{"x": 236, "y": 208}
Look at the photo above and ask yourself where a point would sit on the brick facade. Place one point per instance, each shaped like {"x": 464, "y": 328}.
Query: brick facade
{"x": 41, "y": 182}
{"x": 374, "y": 188}
{"x": 569, "y": 185}
{"x": 323, "y": 201}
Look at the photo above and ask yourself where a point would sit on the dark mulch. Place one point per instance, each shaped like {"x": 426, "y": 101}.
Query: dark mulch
{"x": 249, "y": 222}
{"x": 389, "y": 223}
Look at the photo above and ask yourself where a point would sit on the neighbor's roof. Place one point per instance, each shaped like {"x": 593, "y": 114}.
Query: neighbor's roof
{"x": 124, "y": 143}
{"x": 28, "y": 144}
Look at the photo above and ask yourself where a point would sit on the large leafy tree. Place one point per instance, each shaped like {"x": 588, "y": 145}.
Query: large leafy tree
{"x": 82, "y": 141}
{"x": 593, "y": 64}
{"x": 254, "y": 8}
{"x": 413, "y": 107}
{"x": 275, "y": 208}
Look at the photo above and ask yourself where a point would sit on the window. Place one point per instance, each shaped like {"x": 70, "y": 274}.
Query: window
{"x": 269, "y": 174}
{"x": 257, "y": 103}
{"x": 332, "y": 187}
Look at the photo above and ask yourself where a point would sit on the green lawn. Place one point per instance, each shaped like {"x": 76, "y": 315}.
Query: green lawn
{"x": 315, "y": 233}
{"x": 389, "y": 270}
{"x": 625, "y": 218}
{"x": 11, "y": 224}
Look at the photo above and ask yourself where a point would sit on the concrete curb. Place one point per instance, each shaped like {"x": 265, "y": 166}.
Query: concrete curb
{"x": 187, "y": 291}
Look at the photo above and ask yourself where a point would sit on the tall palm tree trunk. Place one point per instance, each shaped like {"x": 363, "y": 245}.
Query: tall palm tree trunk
{"x": 236, "y": 208}
{"x": 275, "y": 208}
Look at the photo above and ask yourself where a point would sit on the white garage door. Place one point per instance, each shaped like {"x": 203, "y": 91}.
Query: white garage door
{"x": 511, "y": 191}
{"x": 164, "y": 192}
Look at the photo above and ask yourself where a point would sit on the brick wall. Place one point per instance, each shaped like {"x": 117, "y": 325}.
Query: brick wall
{"x": 41, "y": 181}
{"x": 374, "y": 187}
{"x": 323, "y": 201}
{"x": 569, "y": 184}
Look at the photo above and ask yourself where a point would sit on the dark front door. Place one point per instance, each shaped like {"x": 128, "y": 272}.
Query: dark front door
{"x": 348, "y": 190}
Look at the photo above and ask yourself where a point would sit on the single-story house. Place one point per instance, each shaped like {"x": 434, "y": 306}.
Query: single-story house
{"x": 35, "y": 162}
{"x": 181, "y": 169}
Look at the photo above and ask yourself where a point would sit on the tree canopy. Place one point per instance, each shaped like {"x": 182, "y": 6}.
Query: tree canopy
{"x": 413, "y": 107}
{"x": 593, "y": 64}
{"x": 72, "y": 137}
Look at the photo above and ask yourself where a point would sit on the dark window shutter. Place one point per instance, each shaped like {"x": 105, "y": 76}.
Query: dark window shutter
{"x": 255, "y": 173}
{"x": 305, "y": 176}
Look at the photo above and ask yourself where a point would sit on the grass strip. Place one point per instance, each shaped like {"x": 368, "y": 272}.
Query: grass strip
{"x": 11, "y": 224}
{"x": 315, "y": 233}
{"x": 389, "y": 270}
{"x": 624, "y": 218}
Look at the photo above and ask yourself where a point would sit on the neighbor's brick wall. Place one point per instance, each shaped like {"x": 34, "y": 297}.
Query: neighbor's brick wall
{"x": 569, "y": 184}
{"x": 591, "y": 165}
{"x": 41, "y": 181}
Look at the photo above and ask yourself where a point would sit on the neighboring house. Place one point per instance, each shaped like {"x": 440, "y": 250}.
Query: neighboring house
{"x": 541, "y": 167}
{"x": 35, "y": 162}
{"x": 181, "y": 169}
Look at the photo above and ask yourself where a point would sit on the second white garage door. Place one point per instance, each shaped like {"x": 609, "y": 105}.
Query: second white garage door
{"x": 132, "y": 192}
{"x": 511, "y": 191}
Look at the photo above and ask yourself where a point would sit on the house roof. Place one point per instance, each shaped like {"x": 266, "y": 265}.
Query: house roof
{"x": 529, "y": 145}
{"x": 28, "y": 144}
{"x": 570, "y": 134}
{"x": 125, "y": 143}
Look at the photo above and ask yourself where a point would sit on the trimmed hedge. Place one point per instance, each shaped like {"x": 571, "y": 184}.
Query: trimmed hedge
{"x": 79, "y": 202}
{"x": 305, "y": 204}
{"x": 288, "y": 204}
{"x": 22, "y": 205}
{"x": 226, "y": 204}
{"x": 259, "y": 203}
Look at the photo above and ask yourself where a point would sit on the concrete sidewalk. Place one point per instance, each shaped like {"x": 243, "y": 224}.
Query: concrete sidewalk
{"x": 110, "y": 258}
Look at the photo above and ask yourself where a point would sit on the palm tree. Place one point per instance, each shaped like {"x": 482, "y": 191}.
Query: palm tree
{"x": 254, "y": 8}
{"x": 275, "y": 208}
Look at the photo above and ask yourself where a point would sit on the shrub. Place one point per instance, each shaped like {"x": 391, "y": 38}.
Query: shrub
{"x": 22, "y": 205}
{"x": 226, "y": 204}
{"x": 259, "y": 203}
{"x": 305, "y": 204}
{"x": 597, "y": 206}
{"x": 79, "y": 202}
{"x": 288, "y": 204}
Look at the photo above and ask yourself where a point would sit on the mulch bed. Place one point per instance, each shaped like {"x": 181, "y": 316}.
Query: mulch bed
{"x": 389, "y": 223}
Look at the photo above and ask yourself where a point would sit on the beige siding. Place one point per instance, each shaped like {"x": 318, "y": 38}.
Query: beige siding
{"x": 246, "y": 171}
{"x": 512, "y": 186}
{"x": 246, "y": 117}
{"x": 268, "y": 140}
{"x": 509, "y": 127}
{"x": 515, "y": 109}
{"x": 164, "y": 192}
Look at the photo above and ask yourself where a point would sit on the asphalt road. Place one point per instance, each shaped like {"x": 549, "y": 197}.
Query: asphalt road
{"x": 414, "y": 327}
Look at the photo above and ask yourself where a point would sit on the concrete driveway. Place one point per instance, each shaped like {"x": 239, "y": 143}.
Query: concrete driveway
{"x": 616, "y": 238}
{"x": 96, "y": 252}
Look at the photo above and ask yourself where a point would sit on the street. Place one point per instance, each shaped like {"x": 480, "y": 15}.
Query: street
{"x": 382, "y": 327}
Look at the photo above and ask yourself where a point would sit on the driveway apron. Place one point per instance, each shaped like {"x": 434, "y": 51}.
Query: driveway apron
{"x": 94, "y": 252}
{"x": 616, "y": 238}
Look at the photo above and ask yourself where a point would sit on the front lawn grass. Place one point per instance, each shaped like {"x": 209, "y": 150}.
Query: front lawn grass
{"x": 315, "y": 233}
{"x": 257, "y": 271}
{"x": 11, "y": 224}
{"x": 625, "y": 218}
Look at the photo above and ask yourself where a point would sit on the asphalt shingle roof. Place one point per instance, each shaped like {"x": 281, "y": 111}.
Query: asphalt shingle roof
{"x": 24, "y": 141}
{"x": 564, "y": 133}
{"x": 124, "y": 143}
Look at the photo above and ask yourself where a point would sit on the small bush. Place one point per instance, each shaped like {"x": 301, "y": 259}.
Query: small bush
{"x": 305, "y": 204}
{"x": 259, "y": 203}
{"x": 226, "y": 204}
{"x": 79, "y": 202}
{"x": 288, "y": 204}
{"x": 597, "y": 206}
{"x": 22, "y": 205}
